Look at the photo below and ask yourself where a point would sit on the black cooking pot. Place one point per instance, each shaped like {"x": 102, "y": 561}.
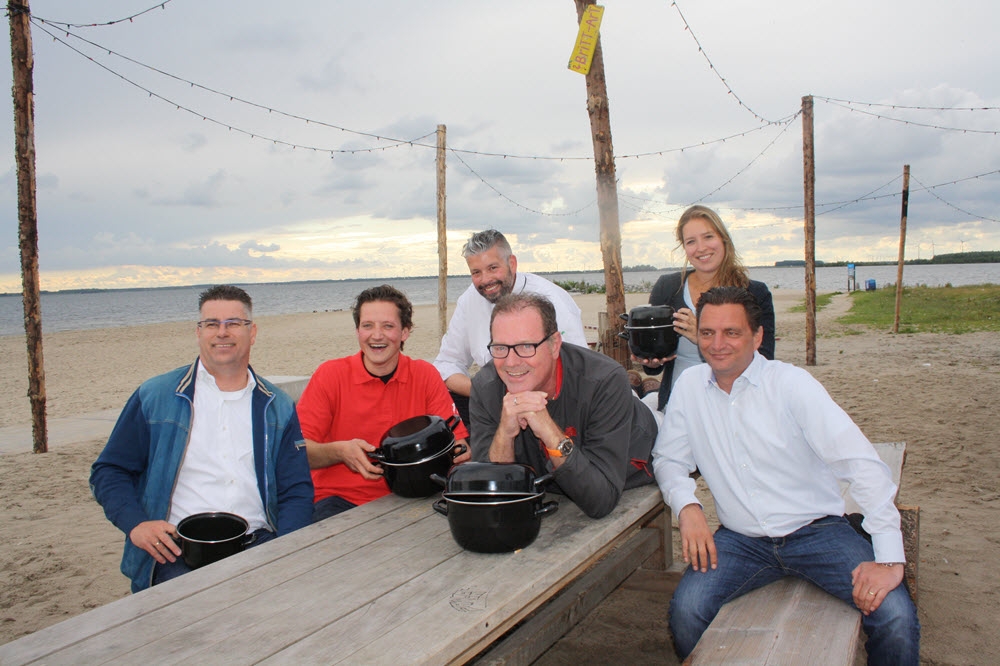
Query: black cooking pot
{"x": 416, "y": 479}
{"x": 210, "y": 537}
{"x": 486, "y": 524}
{"x": 414, "y": 449}
{"x": 478, "y": 478}
{"x": 416, "y": 439}
{"x": 649, "y": 330}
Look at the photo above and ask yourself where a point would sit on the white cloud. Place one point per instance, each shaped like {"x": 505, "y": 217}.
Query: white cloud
{"x": 134, "y": 190}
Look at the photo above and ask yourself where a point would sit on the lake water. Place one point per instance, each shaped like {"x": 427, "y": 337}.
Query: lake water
{"x": 64, "y": 311}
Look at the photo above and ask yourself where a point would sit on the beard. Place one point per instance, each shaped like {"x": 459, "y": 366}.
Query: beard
{"x": 506, "y": 287}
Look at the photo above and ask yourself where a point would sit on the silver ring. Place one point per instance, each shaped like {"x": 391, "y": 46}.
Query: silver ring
{"x": 515, "y": 400}
{"x": 157, "y": 543}
{"x": 871, "y": 593}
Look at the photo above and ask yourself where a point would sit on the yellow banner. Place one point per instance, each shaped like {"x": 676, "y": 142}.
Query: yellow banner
{"x": 586, "y": 39}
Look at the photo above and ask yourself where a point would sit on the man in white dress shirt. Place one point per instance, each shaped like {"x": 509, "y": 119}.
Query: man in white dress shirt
{"x": 772, "y": 446}
{"x": 494, "y": 274}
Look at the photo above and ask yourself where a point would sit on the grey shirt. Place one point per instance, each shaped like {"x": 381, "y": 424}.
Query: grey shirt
{"x": 612, "y": 429}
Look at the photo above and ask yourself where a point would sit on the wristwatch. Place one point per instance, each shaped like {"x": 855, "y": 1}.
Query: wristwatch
{"x": 563, "y": 448}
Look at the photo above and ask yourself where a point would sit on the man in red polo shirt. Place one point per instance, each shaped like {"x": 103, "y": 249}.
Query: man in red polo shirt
{"x": 351, "y": 402}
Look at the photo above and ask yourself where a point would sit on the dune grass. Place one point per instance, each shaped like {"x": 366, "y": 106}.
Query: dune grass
{"x": 928, "y": 309}
{"x": 822, "y": 300}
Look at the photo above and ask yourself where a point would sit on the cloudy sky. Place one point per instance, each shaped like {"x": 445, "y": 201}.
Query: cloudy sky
{"x": 247, "y": 141}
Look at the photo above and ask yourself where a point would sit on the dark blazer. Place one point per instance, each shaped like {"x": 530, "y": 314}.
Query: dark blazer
{"x": 667, "y": 291}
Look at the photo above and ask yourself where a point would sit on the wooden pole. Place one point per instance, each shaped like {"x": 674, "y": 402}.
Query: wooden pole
{"x": 23, "y": 63}
{"x": 442, "y": 232}
{"x": 607, "y": 201}
{"x": 902, "y": 247}
{"x": 809, "y": 194}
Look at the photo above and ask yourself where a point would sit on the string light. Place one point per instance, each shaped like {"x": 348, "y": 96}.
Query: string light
{"x": 162, "y": 5}
{"x": 519, "y": 205}
{"x": 909, "y": 108}
{"x": 750, "y": 163}
{"x": 711, "y": 66}
{"x": 851, "y": 108}
{"x": 869, "y": 196}
{"x": 395, "y": 141}
{"x": 788, "y": 123}
{"x": 948, "y": 203}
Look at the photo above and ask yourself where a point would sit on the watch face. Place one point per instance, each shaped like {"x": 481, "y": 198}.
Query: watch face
{"x": 566, "y": 446}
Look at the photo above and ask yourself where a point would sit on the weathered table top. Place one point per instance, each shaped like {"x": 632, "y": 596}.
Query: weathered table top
{"x": 382, "y": 583}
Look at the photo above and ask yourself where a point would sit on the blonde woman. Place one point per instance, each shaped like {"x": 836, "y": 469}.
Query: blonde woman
{"x": 713, "y": 262}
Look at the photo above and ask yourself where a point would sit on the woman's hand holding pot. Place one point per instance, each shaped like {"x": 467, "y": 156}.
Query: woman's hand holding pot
{"x": 686, "y": 324}
{"x": 653, "y": 362}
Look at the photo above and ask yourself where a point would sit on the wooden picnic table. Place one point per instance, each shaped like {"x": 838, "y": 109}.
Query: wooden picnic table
{"x": 384, "y": 583}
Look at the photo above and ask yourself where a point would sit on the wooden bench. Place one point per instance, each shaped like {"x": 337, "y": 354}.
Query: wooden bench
{"x": 792, "y": 621}
{"x": 382, "y": 583}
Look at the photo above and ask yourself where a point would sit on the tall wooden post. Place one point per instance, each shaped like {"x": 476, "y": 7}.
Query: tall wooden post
{"x": 442, "y": 232}
{"x": 809, "y": 194}
{"x": 607, "y": 201}
{"x": 23, "y": 63}
{"x": 902, "y": 247}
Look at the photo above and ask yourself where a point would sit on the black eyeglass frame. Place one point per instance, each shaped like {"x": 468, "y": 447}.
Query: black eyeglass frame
{"x": 492, "y": 348}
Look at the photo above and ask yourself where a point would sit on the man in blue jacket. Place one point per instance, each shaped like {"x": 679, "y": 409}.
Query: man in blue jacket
{"x": 212, "y": 436}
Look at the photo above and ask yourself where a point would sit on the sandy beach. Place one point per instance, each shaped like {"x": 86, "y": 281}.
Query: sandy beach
{"x": 938, "y": 393}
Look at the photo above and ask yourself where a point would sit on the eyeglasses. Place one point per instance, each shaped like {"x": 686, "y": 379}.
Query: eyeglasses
{"x": 232, "y": 324}
{"x": 524, "y": 349}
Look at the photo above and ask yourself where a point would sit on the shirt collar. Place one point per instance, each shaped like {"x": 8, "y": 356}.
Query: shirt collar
{"x": 520, "y": 282}
{"x": 752, "y": 373}
{"x": 205, "y": 378}
{"x": 360, "y": 374}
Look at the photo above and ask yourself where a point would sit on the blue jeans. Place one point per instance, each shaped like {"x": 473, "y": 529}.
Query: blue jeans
{"x": 330, "y": 506}
{"x": 823, "y": 553}
{"x": 169, "y": 570}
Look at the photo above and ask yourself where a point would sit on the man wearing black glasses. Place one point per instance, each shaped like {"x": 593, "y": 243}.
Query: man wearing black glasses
{"x": 559, "y": 407}
{"x": 211, "y": 436}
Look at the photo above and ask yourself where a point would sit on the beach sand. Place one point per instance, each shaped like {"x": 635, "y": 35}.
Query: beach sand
{"x": 938, "y": 393}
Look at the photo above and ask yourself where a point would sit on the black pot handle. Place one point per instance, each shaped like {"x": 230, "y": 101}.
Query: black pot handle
{"x": 441, "y": 506}
{"x": 623, "y": 316}
{"x": 548, "y": 507}
{"x": 461, "y": 448}
{"x": 377, "y": 455}
{"x": 440, "y": 480}
{"x": 623, "y": 335}
{"x": 452, "y": 422}
{"x": 543, "y": 479}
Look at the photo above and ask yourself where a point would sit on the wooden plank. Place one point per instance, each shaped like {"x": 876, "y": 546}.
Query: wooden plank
{"x": 273, "y": 604}
{"x": 909, "y": 517}
{"x": 252, "y": 568}
{"x": 789, "y": 621}
{"x": 536, "y": 635}
{"x": 493, "y": 593}
{"x": 663, "y": 558}
{"x": 281, "y": 616}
